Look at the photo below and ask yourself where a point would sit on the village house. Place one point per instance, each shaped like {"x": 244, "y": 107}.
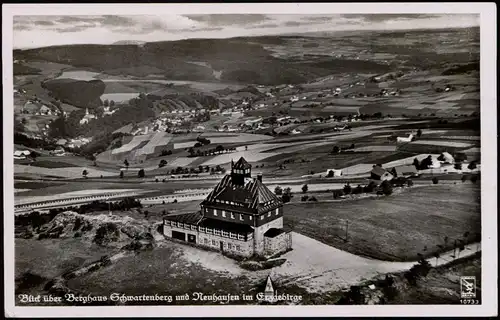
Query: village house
{"x": 334, "y": 173}
{"x": 241, "y": 216}
{"x": 88, "y": 116}
{"x": 404, "y": 171}
{"x": 379, "y": 173}
{"x": 59, "y": 151}
{"x": 409, "y": 138}
{"x": 21, "y": 154}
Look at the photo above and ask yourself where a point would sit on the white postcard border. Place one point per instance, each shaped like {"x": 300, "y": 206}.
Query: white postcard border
{"x": 488, "y": 55}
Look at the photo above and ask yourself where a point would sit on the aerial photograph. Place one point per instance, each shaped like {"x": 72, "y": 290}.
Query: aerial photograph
{"x": 246, "y": 159}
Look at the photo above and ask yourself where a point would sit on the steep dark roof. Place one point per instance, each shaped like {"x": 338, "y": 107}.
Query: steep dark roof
{"x": 273, "y": 232}
{"x": 401, "y": 170}
{"x": 189, "y": 218}
{"x": 252, "y": 197}
{"x": 379, "y": 171}
{"x": 242, "y": 164}
{"x": 226, "y": 226}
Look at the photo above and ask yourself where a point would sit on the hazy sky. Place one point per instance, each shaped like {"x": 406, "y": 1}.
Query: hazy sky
{"x": 40, "y": 31}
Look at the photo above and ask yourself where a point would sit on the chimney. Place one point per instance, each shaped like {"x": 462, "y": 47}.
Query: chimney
{"x": 259, "y": 177}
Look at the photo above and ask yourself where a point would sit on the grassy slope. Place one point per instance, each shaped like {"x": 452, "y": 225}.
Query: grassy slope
{"x": 397, "y": 227}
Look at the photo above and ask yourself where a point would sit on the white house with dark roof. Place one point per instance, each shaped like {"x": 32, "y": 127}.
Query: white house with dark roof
{"x": 240, "y": 216}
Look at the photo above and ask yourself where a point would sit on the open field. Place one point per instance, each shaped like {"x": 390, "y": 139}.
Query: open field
{"x": 418, "y": 217}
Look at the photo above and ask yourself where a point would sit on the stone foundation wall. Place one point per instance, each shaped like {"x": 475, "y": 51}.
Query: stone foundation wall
{"x": 278, "y": 244}
{"x": 232, "y": 246}
{"x": 259, "y": 239}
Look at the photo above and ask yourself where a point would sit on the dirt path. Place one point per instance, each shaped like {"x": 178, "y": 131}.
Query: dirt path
{"x": 313, "y": 265}
{"x": 319, "y": 267}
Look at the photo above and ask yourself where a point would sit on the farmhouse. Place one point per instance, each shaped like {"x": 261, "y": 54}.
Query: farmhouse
{"x": 334, "y": 173}
{"x": 405, "y": 139}
{"x": 21, "y": 154}
{"x": 240, "y": 216}
{"x": 446, "y": 158}
{"x": 88, "y": 116}
{"x": 379, "y": 173}
{"x": 404, "y": 171}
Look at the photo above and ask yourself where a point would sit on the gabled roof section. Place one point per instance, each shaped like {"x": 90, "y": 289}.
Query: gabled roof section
{"x": 379, "y": 171}
{"x": 242, "y": 164}
{"x": 190, "y": 218}
{"x": 254, "y": 196}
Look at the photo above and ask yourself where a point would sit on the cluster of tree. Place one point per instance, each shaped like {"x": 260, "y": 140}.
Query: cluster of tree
{"x": 210, "y": 152}
{"x": 76, "y": 92}
{"x": 286, "y": 194}
{"x": 165, "y": 153}
{"x": 200, "y": 169}
{"x": 138, "y": 110}
{"x": 337, "y": 149}
{"x": 421, "y": 269}
{"x": 122, "y": 205}
{"x": 162, "y": 163}
{"x": 22, "y": 139}
{"x": 424, "y": 164}
{"x": 307, "y": 198}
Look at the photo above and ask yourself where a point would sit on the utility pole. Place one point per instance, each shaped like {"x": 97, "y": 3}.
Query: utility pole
{"x": 346, "y": 229}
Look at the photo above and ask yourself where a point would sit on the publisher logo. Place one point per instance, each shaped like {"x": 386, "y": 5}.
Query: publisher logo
{"x": 467, "y": 287}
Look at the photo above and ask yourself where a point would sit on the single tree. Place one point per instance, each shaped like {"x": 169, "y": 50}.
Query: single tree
{"x": 121, "y": 174}
{"x": 304, "y": 188}
{"x": 106, "y": 103}
{"x": 474, "y": 178}
{"x": 330, "y": 174}
{"x": 85, "y": 173}
{"x": 141, "y": 173}
{"x": 472, "y": 165}
{"x": 435, "y": 180}
{"x": 419, "y": 133}
{"x": 278, "y": 191}
{"x": 464, "y": 178}
{"x": 347, "y": 189}
{"x": 336, "y": 149}
{"x": 436, "y": 255}
{"x": 125, "y": 162}
{"x": 111, "y": 103}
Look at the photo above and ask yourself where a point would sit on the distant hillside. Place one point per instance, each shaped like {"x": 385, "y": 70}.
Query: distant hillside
{"x": 243, "y": 60}
{"x": 82, "y": 94}
{"x": 20, "y": 69}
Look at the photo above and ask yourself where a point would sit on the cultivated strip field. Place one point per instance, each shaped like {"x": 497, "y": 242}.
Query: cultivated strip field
{"x": 134, "y": 143}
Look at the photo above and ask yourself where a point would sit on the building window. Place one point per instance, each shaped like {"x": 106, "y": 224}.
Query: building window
{"x": 241, "y": 237}
{"x": 205, "y": 241}
{"x": 213, "y": 242}
{"x": 215, "y": 212}
{"x": 277, "y": 211}
{"x": 250, "y": 217}
{"x": 238, "y": 247}
{"x": 229, "y": 246}
{"x": 262, "y": 217}
{"x": 232, "y": 215}
{"x": 223, "y": 213}
{"x": 241, "y": 217}
{"x": 269, "y": 214}
{"x": 202, "y": 229}
{"x": 217, "y": 232}
{"x": 225, "y": 233}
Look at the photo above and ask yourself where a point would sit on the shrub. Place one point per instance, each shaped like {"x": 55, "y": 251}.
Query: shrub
{"x": 304, "y": 198}
{"x": 474, "y": 178}
{"x": 464, "y": 178}
{"x": 370, "y": 187}
{"x": 313, "y": 199}
{"x": 347, "y": 189}
{"x": 304, "y": 188}
{"x": 435, "y": 180}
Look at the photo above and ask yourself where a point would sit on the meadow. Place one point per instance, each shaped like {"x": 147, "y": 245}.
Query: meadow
{"x": 397, "y": 227}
